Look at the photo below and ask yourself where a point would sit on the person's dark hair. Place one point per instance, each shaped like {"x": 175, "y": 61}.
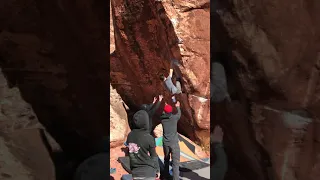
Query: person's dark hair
{"x": 162, "y": 77}
{"x": 144, "y": 107}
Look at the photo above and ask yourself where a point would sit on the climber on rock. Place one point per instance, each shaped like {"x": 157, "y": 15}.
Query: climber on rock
{"x": 141, "y": 144}
{"x": 171, "y": 146}
{"x": 151, "y": 110}
{"x": 219, "y": 167}
{"x": 173, "y": 89}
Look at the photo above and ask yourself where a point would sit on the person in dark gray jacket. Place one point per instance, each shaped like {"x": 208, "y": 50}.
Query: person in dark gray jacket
{"x": 171, "y": 147}
{"x": 220, "y": 166}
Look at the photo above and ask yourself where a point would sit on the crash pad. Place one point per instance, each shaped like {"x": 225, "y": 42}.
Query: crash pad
{"x": 190, "y": 145}
{"x": 184, "y": 149}
{"x": 159, "y": 141}
{"x": 184, "y": 166}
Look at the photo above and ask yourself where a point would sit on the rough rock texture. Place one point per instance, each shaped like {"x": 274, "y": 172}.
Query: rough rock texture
{"x": 54, "y": 54}
{"x": 147, "y": 37}
{"x": 119, "y": 127}
{"x": 272, "y": 60}
{"x": 22, "y": 152}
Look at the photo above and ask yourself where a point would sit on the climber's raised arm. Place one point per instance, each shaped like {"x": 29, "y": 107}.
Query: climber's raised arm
{"x": 171, "y": 69}
{"x": 171, "y": 72}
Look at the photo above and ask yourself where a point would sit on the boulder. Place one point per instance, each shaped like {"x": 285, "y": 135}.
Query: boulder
{"x": 119, "y": 127}
{"x": 148, "y": 35}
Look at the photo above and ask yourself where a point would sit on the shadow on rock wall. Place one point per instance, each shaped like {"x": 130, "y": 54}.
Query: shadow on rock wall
{"x": 59, "y": 64}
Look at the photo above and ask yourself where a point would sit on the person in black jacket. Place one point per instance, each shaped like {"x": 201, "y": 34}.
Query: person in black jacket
{"x": 171, "y": 147}
{"x": 220, "y": 166}
{"x": 151, "y": 110}
{"x": 140, "y": 143}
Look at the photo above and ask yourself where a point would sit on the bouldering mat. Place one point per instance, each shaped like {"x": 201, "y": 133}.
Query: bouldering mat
{"x": 185, "y": 149}
{"x": 187, "y": 165}
{"x": 184, "y": 166}
{"x": 193, "y": 165}
{"x": 190, "y": 146}
{"x": 159, "y": 141}
{"x": 125, "y": 163}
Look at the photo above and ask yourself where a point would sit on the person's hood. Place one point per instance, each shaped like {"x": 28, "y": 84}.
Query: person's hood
{"x": 146, "y": 107}
{"x": 141, "y": 120}
{"x": 165, "y": 116}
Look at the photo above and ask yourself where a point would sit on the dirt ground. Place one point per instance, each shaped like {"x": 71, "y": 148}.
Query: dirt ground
{"x": 115, "y": 153}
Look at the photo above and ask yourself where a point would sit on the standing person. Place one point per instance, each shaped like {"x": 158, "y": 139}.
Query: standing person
{"x": 171, "y": 147}
{"x": 173, "y": 89}
{"x": 151, "y": 110}
{"x": 140, "y": 143}
{"x": 219, "y": 168}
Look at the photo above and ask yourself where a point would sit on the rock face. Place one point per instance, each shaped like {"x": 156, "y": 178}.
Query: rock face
{"x": 23, "y": 154}
{"x": 55, "y": 54}
{"x": 271, "y": 55}
{"x": 147, "y": 36}
{"x": 119, "y": 127}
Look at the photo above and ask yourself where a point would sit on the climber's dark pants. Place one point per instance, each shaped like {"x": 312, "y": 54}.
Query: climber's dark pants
{"x": 178, "y": 86}
{"x": 174, "y": 151}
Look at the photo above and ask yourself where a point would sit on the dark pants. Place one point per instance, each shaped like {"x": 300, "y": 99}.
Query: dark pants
{"x": 174, "y": 151}
{"x": 144, "y": 172}
{"x": 178, "y": 86}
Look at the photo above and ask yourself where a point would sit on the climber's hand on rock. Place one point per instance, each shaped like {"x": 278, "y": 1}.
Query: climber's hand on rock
{"x": 178, "y": 104}
{"x": 154, "y": 99}
{"x": 160, "y": 97}
{"x": 217, "y": 135}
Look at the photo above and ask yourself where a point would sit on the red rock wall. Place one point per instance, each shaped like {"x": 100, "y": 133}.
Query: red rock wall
{"x": 119, "y": 127}
{"x": 146, "y": 35}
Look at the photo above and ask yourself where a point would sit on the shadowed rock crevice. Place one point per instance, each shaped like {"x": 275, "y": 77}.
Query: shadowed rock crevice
{"x": 269, "y": 56}
{"x": 55, "y": 54}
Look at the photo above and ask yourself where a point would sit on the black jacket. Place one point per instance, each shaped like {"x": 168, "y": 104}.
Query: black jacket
{"x": 141, "y": 138}
{"x": 220, "y": 166}
{"x": 169, "y": 123}
{"x": 151, "y": 110}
